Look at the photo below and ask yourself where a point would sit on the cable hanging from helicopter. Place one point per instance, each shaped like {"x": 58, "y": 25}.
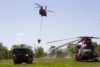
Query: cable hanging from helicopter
{"x": 43, "y": 12}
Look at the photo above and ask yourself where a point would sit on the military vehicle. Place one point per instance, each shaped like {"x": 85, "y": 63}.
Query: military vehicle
{"x": 22, "y": 55}
{"x": 85, "y": 48}
{"x": 86, "y": 51}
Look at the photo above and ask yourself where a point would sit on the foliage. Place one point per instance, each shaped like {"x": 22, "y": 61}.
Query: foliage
{"x": 72, "y": 48}
{"x": 21, "y": 46}
{"x": 39, "y": 52}
{"x": 98, "y": 49}
{"x": 4, "y": 52}
{"x": 95, "y": 44}
{"x": 52, "y": 52}
{"x": 61, "y": 54}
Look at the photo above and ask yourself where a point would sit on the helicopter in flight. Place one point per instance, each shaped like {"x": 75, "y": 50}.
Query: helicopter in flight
{"x": 85, "y": 48}
{"x": 43, "y": 10}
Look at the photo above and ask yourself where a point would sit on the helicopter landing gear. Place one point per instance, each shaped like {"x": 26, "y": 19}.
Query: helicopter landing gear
{"x": 78, "y": 58}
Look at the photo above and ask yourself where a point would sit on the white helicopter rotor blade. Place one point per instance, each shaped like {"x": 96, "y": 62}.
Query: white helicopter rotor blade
{"x": 60, "y": 40}
{"x": 63, "y": 45}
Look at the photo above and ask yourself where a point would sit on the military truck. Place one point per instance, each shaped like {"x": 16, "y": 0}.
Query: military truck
{"x": 22, "y": 55}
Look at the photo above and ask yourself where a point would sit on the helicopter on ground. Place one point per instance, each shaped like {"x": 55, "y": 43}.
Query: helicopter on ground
{"x": 85, "y": 48}
{"x": 43, "y": 10}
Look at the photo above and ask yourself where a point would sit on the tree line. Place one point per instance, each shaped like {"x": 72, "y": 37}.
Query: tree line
{"x": 7, "y": 54}
{"x": 39, "y": 52}
{"x": 4, "y": 52}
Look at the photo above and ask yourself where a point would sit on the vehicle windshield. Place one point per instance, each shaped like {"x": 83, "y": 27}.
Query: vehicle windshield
{"x": 20, "y": 51}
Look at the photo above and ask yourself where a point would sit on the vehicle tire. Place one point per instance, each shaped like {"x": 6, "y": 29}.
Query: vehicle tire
{"x": 95, "y": 60}
{"x": 30, "y": 61}
{"x": 15, "y": 62}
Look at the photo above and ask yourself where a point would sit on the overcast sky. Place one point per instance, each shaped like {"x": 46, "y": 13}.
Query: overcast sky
{"x": 20, "y": 20}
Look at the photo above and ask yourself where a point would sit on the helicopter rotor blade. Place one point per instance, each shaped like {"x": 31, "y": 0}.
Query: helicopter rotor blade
{"x": 60, "y": 40}
{"x": 77, "y": 41}
{"x": 73, "y": 38}
{"x": 89, "y": 37}
{"x": 38, "y": 4}
{"x": 37, "y": 7}
{"x": 63, "y": 45}
{"x": 50, "y": 11}
{"x": 96, "y": 37}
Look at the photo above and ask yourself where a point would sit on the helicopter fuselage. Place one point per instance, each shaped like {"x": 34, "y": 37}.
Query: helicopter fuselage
{"x": 42, "y": 12}
{"x": 87, "y": 52}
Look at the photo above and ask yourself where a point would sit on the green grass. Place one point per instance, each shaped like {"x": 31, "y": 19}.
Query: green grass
{"x": 51, "y": 62}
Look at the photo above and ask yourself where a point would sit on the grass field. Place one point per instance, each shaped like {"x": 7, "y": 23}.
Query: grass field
{"x": 51, "y": 62}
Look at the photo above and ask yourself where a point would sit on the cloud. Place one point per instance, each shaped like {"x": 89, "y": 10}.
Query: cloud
{"x": 21, "y": 34}
{"x": 19, "y": 40}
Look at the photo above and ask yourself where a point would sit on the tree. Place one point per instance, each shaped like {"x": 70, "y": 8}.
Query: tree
{"x": 94, "y": 44}
{"x": 72, "y": 49}
{"x": 52, "y": 52}
{"x": 61, "y": 53}
{"x": 21, "y": 46}
{"x": 98, "y": 49}
{"x": 4, "y": 52}
{"x": 15, "y": 46}
{"x": 39, "y": 52}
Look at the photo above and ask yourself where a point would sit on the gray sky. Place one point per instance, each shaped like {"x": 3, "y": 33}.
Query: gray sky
{"x": 20, "y": 21}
